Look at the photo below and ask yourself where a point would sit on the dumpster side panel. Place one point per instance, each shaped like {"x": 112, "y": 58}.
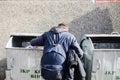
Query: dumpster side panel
{"x": 87, "y": 46}
{"x": 24, "y": 63}
{"x": 106, "y": 65}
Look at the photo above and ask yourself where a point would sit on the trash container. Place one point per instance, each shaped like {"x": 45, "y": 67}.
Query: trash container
{"x": 102, "y": 56}
{"x": 23, "y": 63}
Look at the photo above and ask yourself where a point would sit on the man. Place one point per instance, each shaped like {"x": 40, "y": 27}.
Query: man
{"x": 52, "y": 41}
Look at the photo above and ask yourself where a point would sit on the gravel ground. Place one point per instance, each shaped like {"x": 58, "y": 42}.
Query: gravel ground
{"x": 96, "y": 22}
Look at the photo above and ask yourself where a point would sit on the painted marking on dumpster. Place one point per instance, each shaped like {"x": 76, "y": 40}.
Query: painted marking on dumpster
{"x": 35, "y": 74}
{"x": 117, "y": 78}
{"x": 24, "y": 70}
{"x": 37, "y": 71}
{"x": 112, "y": 73}
{"x": 109, "y": 72}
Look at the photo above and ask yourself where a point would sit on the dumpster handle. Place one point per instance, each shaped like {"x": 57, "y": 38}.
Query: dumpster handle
{"x": 93, "y": 76}
{"x": 12, "y": 61}
{"x": 98, "y": 64}
{"x": 116, "y": 33}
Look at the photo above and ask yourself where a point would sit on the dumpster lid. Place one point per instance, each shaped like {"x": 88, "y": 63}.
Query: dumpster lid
{"x": 104, "y": 38}
{"x": 102, "y": 35}
{"x": 26, "y": 34}
{"x": 104, "y": 41}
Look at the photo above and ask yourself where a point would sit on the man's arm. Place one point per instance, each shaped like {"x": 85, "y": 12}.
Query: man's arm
{"x": 77, "y": 48}
{"x": 38, "y": 41}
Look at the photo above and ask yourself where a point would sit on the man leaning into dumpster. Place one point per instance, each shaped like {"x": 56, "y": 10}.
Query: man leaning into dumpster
{"x": 56, "y": 36}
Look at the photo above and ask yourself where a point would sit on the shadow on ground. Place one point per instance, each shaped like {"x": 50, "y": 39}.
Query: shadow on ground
{"x": 3, "y": 67}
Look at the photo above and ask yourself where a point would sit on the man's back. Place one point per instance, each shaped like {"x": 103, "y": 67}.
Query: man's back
{"x": 65, "y": 37}
{"x": 56, "y": 43}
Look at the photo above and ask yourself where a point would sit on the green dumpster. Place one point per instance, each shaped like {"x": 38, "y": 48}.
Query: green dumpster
{"x": 102, "y": 56}
{"x": 23, "y": 62}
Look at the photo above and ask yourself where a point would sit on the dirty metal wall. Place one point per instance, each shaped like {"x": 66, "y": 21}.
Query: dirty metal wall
{"x": 35, "y": 16}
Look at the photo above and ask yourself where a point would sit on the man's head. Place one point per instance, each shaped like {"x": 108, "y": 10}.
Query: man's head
{"x": 63, "y": 25}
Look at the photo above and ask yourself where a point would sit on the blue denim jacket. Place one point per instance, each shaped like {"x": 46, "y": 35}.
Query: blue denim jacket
{"x": 58, "y": 33}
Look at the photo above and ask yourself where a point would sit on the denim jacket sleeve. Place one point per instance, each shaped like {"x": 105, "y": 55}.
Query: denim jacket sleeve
{"x": 76, "y": 47}
{"x": 39, "y": 41}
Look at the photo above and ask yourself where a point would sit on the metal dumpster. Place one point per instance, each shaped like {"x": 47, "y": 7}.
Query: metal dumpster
{"x": 102, "y": 56}
{"x": 23, "y": 63}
